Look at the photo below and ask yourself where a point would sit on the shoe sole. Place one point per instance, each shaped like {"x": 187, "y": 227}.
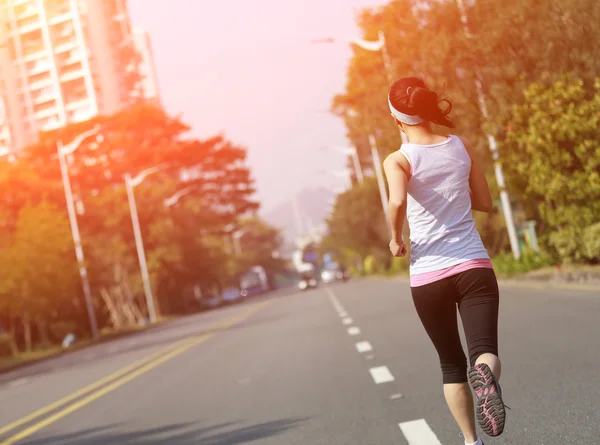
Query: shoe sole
{"x": 490, "y": 411}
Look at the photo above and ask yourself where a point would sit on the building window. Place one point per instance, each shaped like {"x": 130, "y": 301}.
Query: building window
{"x": 32, "y": 42}
{"x": 74, "y": 91}
{"x": 56, "y": 8}
{"x": 39, "y": 77}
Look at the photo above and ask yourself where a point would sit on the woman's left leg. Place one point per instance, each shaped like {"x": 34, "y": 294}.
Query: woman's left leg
{"x": 436, "y": 306}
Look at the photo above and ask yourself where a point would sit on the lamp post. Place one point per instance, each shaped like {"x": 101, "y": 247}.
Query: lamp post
{"x": 236, "y": 241}
{"x": 353, "y": 152}
{"x": 504, "y": 197}
{"x": 380, "y": 180}
{"x": 63, "y": 151}
{"x": 130, "y": 183}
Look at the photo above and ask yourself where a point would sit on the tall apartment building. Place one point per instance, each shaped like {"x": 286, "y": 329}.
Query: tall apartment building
{"x": 62, "y": 62}
{"x": 146, "y": 69}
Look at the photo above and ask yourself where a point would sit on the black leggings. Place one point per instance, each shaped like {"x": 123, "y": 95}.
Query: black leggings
{"x": 475, "y": 292}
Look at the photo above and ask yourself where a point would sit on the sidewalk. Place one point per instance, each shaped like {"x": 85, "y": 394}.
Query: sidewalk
{"x": 561, "y": 277}
{"x": 585, "y": 278}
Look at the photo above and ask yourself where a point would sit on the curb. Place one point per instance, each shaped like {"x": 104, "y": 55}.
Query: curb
{"x": 516, "y": 283}
{"x": 116, "y": 335}
{"x": 549, "y": 285}
{"x": 102, "y": 340}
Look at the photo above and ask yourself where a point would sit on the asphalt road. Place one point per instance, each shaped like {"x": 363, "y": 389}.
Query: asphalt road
{"x": 341, "y": 365}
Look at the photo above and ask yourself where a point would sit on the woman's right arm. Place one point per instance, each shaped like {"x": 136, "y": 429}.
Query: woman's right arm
{"x": 481, "y": 198}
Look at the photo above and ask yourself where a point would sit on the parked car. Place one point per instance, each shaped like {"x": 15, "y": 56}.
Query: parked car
{"x": 254, "y": 282}
{"x": 211, "y": 302}
{"x": 231, "y": 295}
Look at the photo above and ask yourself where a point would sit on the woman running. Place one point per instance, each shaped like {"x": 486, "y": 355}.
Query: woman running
{"x": 435, "y": 181}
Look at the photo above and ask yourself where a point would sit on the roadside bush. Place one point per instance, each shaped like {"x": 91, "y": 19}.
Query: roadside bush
{"x": 369, "y": 265}
{"x": 506, "y": 265}
{"x": 399, "y": 265}
{"x": 591, "y": 243}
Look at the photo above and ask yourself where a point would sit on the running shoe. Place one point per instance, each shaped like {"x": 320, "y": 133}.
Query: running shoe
{"x": 490, "y": 410}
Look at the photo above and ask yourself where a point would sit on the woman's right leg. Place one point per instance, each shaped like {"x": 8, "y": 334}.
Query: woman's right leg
{"x": 478, "y": 306}
{"x": 436, "y": 306}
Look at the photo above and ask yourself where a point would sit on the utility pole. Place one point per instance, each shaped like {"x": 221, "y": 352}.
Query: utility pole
{"x": 504, "y": 197}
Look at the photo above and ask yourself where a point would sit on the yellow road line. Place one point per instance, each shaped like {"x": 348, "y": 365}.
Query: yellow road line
{"x": 150, "y": 362}
{"x": 103, "y": 391}
{"x": 52, "y": 406}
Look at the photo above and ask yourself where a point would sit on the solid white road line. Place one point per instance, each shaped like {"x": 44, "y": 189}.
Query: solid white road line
{"x": 347, "y": 320}
{"x": 363, "y": 346}
{"x": 353, "y": 330}
{"x": 381, "y": 374}
{"x": 417, "y": 432}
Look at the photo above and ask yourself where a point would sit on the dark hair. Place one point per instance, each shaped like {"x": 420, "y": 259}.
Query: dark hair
{"x": 409, "y": 95}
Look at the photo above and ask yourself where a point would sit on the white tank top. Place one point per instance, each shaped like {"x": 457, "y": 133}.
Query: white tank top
{"x": 442, "y": 228}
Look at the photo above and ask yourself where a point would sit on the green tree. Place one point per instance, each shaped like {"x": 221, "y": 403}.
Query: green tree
{"x": 513, "y": 45}
{"x": 357, "y": 225}
{"x": 554, "y": 160}
{"x": 183, "y": 244}
{"x": 38, "y": 268}
{"x": 258, "y": 245}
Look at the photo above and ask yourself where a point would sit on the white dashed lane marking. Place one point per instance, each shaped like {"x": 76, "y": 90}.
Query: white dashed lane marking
{"x": 363, "y": 346}
{"x": 381, "y": 374}
{"x": 417, "y": 432}
{"x": 353, "y": 330}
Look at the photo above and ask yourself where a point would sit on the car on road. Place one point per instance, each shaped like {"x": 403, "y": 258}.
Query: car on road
{"x": 308, "y": 277}
{"x": 334, "y": 272}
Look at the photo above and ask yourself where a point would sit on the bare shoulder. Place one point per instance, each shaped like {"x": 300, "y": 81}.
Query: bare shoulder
{"x": 396, "y": 161}
{"x": 393, "y": 158}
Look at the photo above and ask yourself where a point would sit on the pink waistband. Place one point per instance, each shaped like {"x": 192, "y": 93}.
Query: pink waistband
{"x": 429, "y": 277}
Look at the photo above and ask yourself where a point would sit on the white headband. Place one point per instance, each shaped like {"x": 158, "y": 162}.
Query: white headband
{"x": 404, "y": 118}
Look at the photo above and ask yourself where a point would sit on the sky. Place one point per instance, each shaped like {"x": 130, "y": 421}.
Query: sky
{"x": 246, "y": 69}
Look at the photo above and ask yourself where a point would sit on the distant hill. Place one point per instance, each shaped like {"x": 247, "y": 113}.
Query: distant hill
{"x": 313, "y": 206}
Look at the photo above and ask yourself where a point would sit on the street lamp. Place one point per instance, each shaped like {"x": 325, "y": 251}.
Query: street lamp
{"x": 374, "y": 46}
{"x": 352, "y": 151}
{"x": 63, "y": 151}
{"x": 379, "y": 45}
{"x": 130, "y": 183}
{"x": 174, "y": 198}
{"x": 504, "y": 197}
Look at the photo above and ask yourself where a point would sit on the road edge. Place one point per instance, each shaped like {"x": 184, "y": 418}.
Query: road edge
{"x": 515, "y": 283}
